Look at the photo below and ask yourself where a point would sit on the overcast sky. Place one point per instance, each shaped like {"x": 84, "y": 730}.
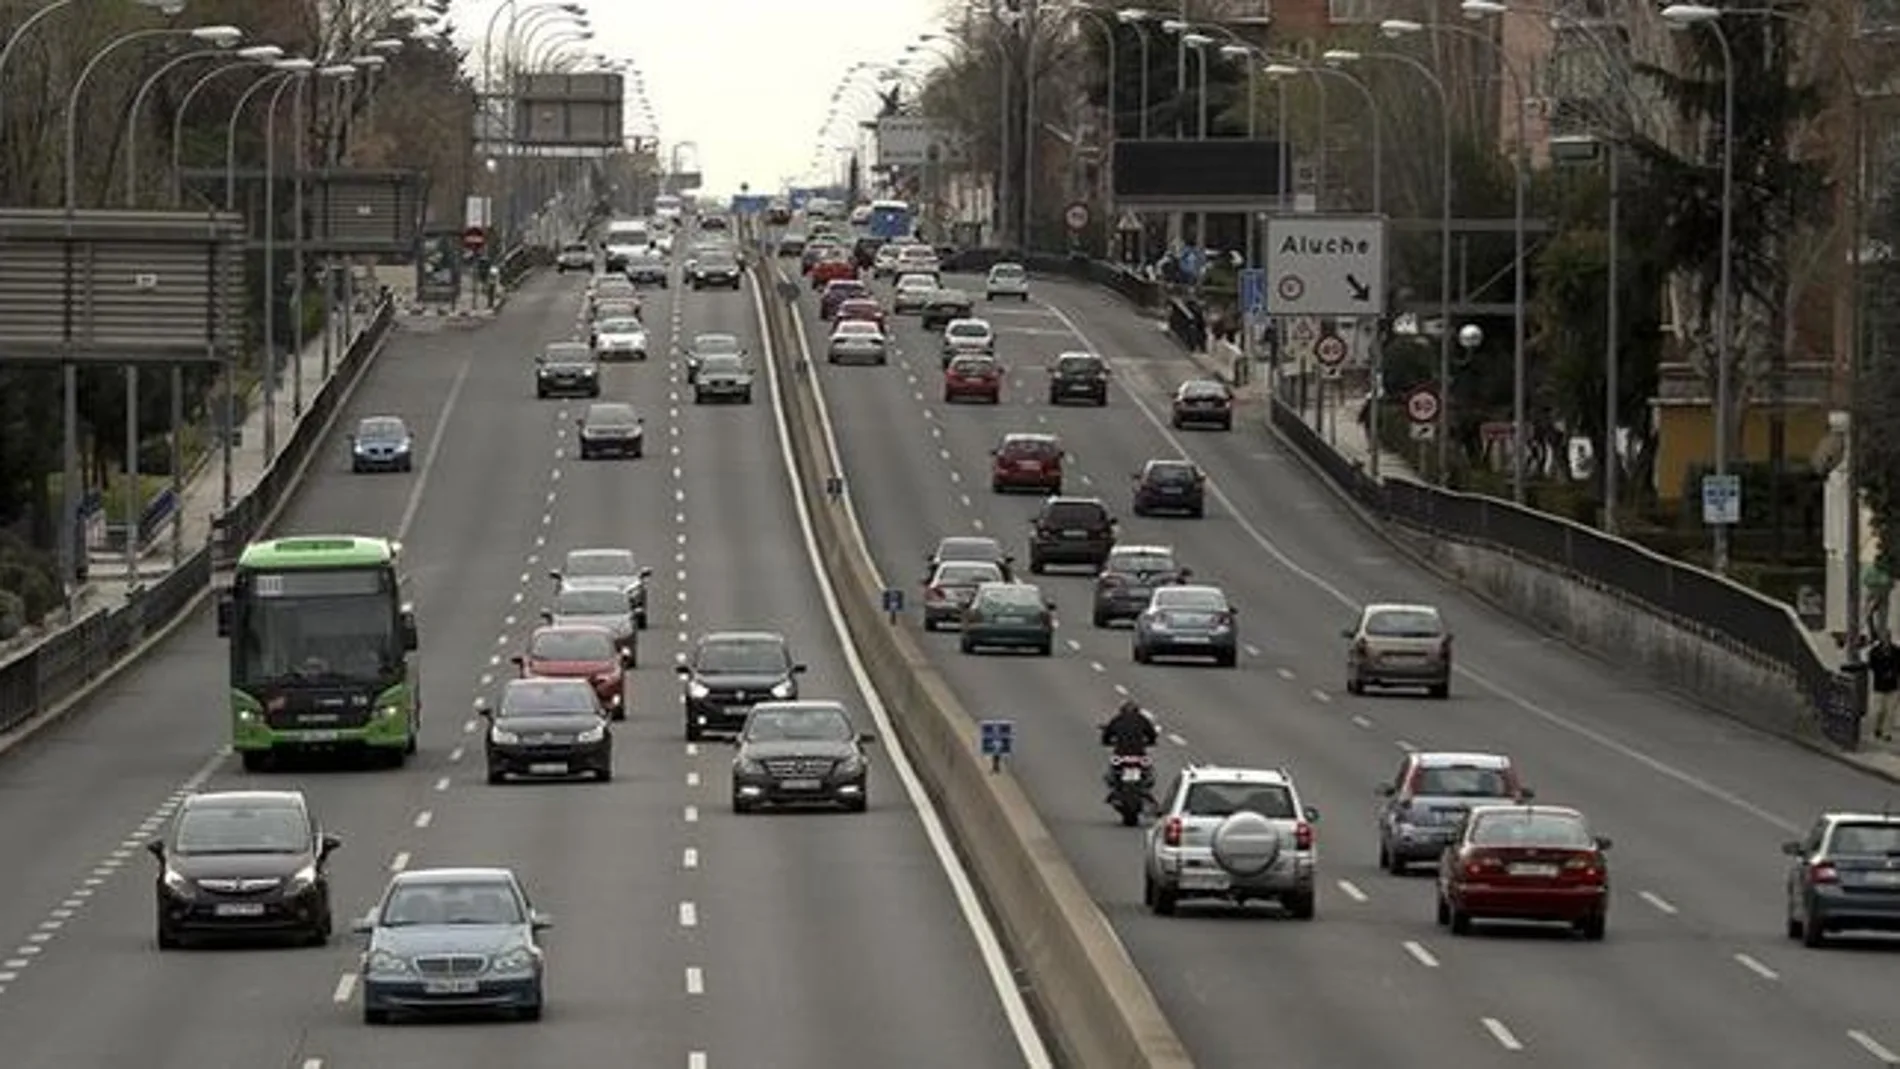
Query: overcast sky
{"x": 747, "y": 81}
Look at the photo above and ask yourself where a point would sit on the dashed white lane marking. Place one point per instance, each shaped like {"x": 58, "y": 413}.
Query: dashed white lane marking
{"x": 313, "y": 1063}
{"x": 1096, "y": 666}
{"x": 1872, "y": 1046}
{"x": 689, "y": 858}
{"x": 689, "y": 915}
{"x": 1406, "y": 746}
{"x": 424, "y": 818}
{"x": 1121, "y": 691}
{"x": 692, "y": 779}
{"x": 1420, "y": 954}
{"x": 1321, "y": 696}
{"x": 345, "y": 987}
{"x": 695, "y": 980}
{"x": 468, "y": 727}
{"x": 1176, "y": 739}
{"x": 1285, "y": 673}
{"x": 1352, "y": 891}
{"x": 1752, "y": 965}
{"x": 1500, "y": 1033}
{"x": 1361, "y": 723}
{"x": 696, "y": 1060}
{"x": 692, "y": 749}
{"x": 692, "y": 814}
{"x": 1252, "y": 651}
{"x": 442, "y": 784}
{"x": 400, "y": 861}
{"x": 456, "y": 754}
{"x": 1662, "y": 905}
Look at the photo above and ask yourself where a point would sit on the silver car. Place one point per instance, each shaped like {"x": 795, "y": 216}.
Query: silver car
{"x": 609, "y": 569}
{"x": 453, "y": 939}
{"x": 620, "y": 338}
{"x": 857, "y": 341}
{"x": 911, "y": 293}
{"x": 1188, "y": 621}
{"x": 1236, "y": 834}
{"x": 1423, "y": 807}
{"x": 601, "y": 607}
{"x": 962, "y": 337}
{"x": 1398, "y": 645}
{"x": 1007, "y": 280}
{"x": 952, "y": 587}
{"x": 575, "y": 256}
{"x": 723, "y": 377}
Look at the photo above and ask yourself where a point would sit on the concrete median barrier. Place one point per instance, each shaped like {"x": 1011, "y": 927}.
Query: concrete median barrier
{"x": 1096, "y": 1010}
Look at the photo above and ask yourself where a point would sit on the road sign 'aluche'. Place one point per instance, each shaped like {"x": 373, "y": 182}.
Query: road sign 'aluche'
{"x": 1338, "y": 260}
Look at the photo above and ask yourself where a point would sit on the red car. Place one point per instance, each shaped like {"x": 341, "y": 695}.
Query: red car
{"x": 862, "y": 309}
{"x": 1525, "y": 863}
{"x": 835, "y": 267}
{"x": 578, "y": 651}
{"x": 978, "y": 377}
{"x": 837, "y": 292}
{"x": 1027, "y": 462}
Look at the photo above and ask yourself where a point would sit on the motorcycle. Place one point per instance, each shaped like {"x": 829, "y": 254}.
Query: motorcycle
{"x": 1130, "y": 785}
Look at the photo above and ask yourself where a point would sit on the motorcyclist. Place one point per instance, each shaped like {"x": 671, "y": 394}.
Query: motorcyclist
{"x": 1131, "y": 732}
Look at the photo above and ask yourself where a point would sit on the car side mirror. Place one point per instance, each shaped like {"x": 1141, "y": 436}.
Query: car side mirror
{"x": 1050, "y": 605}
{"x": 646, "y": 573}
{"x": 554, "y": 574}
{"x": 1792, "y": 848}
{"x": 362, "y": 926}
{"x": 156, "y": 848}
{"x": 867, "y": 738}
{"x": 547, "y": 616}
{"x": 483, "y": 709}
{"x": 682, "y": 670}
{"x": 1348, "y": 632}
{"x": 328, "y": 844}
{"x": 798, "y": 669}
{"x": 227, "y": 613}
{"x": 539, "y": 921}
{"x": 411, "y": 639}
{"x": 518, "y": 661}
{"x": 1448, "y": 636}
{"x": 1385, "y": 790}
{"x": 1233, "y": 610}
{"x": 628, "y": 659}
{"x": 1312, "y": 815}
{"x": 1603, "y": 842}
{"x": 1188, "y": 573}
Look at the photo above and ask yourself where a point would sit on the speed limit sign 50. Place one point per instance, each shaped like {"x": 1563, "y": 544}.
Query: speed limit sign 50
{"x": 1421, "y": 405}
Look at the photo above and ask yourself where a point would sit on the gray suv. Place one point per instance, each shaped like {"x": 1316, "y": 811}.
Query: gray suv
{"x": 1235, "y": 834}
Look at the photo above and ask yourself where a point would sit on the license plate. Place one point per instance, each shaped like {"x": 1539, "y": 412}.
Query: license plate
{"x": 1131, "y": 775}
{"x": 318, "y": 736}
{"x": 1533, "y": 870}
{"x": 449, "y": 987}
{"x": 548, "y": 768}
{"x": 1075, "y": 532}
{"x": 800, "y": 784}
{"x": 1190, "y": 639}
{"x": 1203, "y": 881}
{"x": 1028, "y": 465}
{"x": 239, "y": 909}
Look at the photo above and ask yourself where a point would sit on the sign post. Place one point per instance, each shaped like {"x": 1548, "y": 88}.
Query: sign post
{"x": 893, "y": 604}
{"x": 998, "y": 740}
{"x": 1721, "y": 500}
{"x": 1421, "y": 407}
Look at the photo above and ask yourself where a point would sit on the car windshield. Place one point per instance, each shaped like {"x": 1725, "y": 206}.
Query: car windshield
{"x": 1170, "y": 474}
{"x": 1140, "y": 562}
{"x": 611, "y": 416}
{"x": 1078, "y": 365}
{"x": 1029, "y": 447}
{"x": 721, "y": 363}
{"x": 858, "y": 307}
{"x": 1404, "y": 623}
{"x": 623, "y": 310}
{"x": 599, "y": 563}
{"x": 1873, "y": 840}
{"x": 742, "y": 656}
{"x": 798, "y": 725}
{"x": 1074, "y": 514}
{"x": 968, "y": 573}
{"x": 568, "y": 353}
{"x": 242, "y": 829}
{"x": 972, "y": 365}
{"x": 718, "y": 258}
{"x": 1270, "y": 800}
{"x": 844, "y": 289}
{"x": 575, "y": 246}
{"x": 1462, "y": 781}
{"x": 916, "y": 282}
{"x": 544, "y": 697}
{"x": 1190, "y": 599}
{"x": 710, "y": 344}
{"x": 381, "y": 429}
{"x": 484, "y": 902}
{"x": 590, "y": 601}
{"x": 1012, "y": 598}
{"x": 969, "y": 330}
{"x": 1006, "y": 272}
{"x": 1531, "y": 828}
{"x": 619, "y": 326}
{"x": 571, "y": 646}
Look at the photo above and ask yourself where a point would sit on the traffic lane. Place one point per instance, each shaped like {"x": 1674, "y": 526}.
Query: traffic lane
{"x": 777, "y": 893}
{"x": 372, "y": 810}
{"x": 1222, "y": 734}
{"x": 1057, "y": 704}
{"x": 591, "y": 854}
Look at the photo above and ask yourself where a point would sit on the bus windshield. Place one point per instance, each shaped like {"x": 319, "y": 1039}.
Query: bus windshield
{"x": 890, "y": 219}
{"x": 293, "y": 631}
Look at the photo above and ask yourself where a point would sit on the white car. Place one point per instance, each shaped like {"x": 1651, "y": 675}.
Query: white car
{"x": 663, "y": 242}
{"x": 968, "y": 336}
{"x": 884, "y": 261}
{"x": 917, "y": 258}
{"x": 575, "y": 256}
{"x": 1007, "y": 280}
{"x": 913, "y": 289}
{"x": 855, "y": 341}
{"x": 620, "y": 339}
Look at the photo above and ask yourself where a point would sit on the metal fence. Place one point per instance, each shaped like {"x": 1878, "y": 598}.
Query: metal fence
{"x": 1720, "y": 610}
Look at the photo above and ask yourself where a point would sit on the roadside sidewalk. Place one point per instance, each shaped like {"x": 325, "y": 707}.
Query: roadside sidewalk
{"x": 1338, "y": 419}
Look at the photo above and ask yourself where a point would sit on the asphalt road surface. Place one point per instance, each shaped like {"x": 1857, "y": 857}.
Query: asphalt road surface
{"x": 683, "y": 935}
{"x": 1695, "y": 971}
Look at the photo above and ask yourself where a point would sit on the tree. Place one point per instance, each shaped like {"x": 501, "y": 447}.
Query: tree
{"x": 1876, "y": 444}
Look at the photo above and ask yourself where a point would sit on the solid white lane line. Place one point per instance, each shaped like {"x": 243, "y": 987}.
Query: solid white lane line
{"x": 1756, "y": 967}
{"x": 1872, "y": 1046}
{"x": 1500, "y": 1033}
{"x": 400, "y": 861}
{"x": 1420, "y": 954}
{"x": 424, "y": 818}
{"x": 1661, "y": 904}
{"x": 1352, "y": 891}
{"x": 414, "y": 503}
{"x": 689, "y": 915}
{"x": 695, "y": 980}
{"x": 345, "y": 987}
{"x": 689, "y": 858}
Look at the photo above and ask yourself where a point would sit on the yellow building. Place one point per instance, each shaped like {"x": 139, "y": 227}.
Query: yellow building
{"x": 1685, "y": 424}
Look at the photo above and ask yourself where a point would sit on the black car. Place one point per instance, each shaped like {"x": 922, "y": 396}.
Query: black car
{"x": 1170, "y": 486}
{"x": 718, "y": 269}
{"x": 800, "y": 753}
{"x": 1071, "y": 530}
{"x": 611, "y": 428}
{"x": 728, "y": 673}
{"x": 705, "y": 345}
{"x": 1128, "y": 580}
{"x": 243, "y": 862}
{"x": 864, "y": 250}
{"x": 714, "y": 222}
{"x": 381, "y": 443}
{"x": 567, "y": 369}
{"x": 1203, "y": 402}
{"x": 778, "y": 215}
{"x": 548, "y": 727}
{"x": 647, "y": 269}
{"x": 1078, "y": 377}
{"x": 943, "y": 306}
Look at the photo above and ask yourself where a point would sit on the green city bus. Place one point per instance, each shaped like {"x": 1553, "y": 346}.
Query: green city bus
{"x": 321, "y": 650}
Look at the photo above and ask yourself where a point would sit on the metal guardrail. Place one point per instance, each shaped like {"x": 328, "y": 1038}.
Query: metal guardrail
{"x": 41, "y": 676}
{"x": 1720, "y": 610}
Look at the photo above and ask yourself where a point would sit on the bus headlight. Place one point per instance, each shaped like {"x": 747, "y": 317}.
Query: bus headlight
{"x": 389, "y": 709}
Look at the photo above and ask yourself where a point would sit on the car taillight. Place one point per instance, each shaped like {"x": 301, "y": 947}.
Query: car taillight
{"x": 1823, "y": 872}
{"x": 1302, "y": 836}
{"x": 1477, "y": 864}
{"x": 1171, "y": 832}
{"x": 1584, "y": 867}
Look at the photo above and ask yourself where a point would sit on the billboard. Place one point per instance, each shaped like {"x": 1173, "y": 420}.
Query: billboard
{"x": 1218, "y": 174}
{"x": 570, "y": 110}
{"x": 909, "y": 141}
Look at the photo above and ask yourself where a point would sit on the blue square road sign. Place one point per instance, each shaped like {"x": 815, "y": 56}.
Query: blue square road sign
{"x": 999, "y": 737}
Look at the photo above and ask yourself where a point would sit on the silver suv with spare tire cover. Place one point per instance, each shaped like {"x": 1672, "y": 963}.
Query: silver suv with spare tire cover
{"x": 1234, "y": 834}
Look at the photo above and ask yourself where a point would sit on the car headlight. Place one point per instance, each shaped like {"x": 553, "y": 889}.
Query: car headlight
{"x": 697, "y": 689}
{"x": 587, "y": 372}
{"x": 249, "y": 716}
{"x": 177, "y": 883}
{"x": 388, "y": 709}
{"x": 784, "y": 690}
{"x": 514, "y": 959}
{"x": 301, "y": 879}
{"x": 850, "y": 766}
{"x": 385, "y": 963}
{"x": 593, "y": 734}
{"x": 746, "y": 766}
{"x": 502, "y": 735}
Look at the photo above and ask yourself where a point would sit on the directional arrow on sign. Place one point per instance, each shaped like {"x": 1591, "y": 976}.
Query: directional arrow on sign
{"x": 1360, "y": 291}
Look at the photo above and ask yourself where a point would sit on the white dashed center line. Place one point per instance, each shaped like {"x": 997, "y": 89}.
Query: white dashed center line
{"x": 1500, "y": 1033}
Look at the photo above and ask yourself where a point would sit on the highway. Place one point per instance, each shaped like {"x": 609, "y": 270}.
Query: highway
{"x": 684, "y": 936}
{"x": 1695, "y": 970}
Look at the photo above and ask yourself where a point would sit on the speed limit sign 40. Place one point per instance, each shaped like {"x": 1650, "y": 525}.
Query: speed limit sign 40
{"x": 1421, "y": 405}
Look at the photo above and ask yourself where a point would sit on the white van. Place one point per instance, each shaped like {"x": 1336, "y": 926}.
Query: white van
{"x": 625, "y": 239}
